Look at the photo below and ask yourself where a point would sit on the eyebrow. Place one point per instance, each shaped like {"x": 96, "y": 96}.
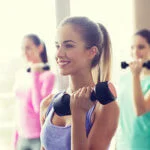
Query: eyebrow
{"x": 67, "y": 41}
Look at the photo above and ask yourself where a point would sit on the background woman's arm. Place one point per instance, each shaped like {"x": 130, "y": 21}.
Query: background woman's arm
{"x": 41, "y": 90}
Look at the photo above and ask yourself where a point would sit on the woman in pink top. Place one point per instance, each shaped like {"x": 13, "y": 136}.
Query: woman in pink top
{"x": 31, "y": 86}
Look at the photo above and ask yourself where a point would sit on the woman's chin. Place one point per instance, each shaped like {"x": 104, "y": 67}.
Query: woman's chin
{"x": 63, "y": 73}
{"x": 28, "y": 59}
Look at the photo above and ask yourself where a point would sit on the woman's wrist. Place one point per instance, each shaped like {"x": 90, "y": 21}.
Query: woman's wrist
{"x": 136, "y": 75}
{"x": 37, "y": 69}
{"x": 78, "y": 115}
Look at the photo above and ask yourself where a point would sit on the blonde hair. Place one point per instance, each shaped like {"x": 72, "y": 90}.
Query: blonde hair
{"x": 102, "y": 71}
{"x": 94, "y": 35}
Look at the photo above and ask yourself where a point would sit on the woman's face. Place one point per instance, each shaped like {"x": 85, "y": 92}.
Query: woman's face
{"x": 72, "y": 57}
{"x": 30, "y": 50}
{"x": 140, "y": 48}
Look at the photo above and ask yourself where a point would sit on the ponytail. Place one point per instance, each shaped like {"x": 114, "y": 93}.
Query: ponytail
{"x": 94, "y": 35}
{"x": 102, "y": 72}
{"x": 44, "y": 54}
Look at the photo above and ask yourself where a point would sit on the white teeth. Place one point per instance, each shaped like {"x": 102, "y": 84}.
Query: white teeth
{"x": 63, "y": 63}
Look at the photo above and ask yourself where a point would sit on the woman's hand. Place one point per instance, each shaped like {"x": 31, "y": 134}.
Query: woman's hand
{"x": 136, "y": 67}
{"x": 43, "y": 108}
{"x": 37, "y": 67}
{"x": 80, "y": 100}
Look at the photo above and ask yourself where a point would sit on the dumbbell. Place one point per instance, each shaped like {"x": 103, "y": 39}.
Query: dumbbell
{"x": 45, "y": 67}
{"x": 124, "y": 65}
{"x": 104, "y": 92}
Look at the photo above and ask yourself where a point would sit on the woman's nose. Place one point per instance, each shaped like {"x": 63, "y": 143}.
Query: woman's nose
{"x": 135, "y": 51}
{"x": 60, "y": 52}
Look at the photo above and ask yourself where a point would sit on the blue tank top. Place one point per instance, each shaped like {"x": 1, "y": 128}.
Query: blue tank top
{"x": 57, "y": 137}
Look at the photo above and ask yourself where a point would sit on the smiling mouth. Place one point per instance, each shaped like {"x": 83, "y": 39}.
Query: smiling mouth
{"x": 63, "y": 63}
{"x": 139, "y": 57}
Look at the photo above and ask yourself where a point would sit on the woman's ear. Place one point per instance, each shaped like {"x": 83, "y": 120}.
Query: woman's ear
{"x": 93, "y": 51}
{"x": 41, "y": 48}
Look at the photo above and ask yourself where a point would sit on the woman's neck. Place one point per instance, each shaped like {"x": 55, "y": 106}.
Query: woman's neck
{"x": 37, "y": 61}
{"x": 77, "y": 82}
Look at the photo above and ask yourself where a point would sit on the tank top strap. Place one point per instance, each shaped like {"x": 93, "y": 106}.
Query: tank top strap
{"x": 51, "y": 104}
{"x": 88, "y": 120}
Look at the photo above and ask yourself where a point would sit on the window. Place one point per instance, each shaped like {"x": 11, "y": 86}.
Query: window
{"x": 18, "y": 18}
{"x": 117, "y": 17}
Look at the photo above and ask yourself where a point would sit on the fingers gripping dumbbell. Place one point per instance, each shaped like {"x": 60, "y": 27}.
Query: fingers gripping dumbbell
{"x": 124, "y": 65}
{"x": 104, "y": 92}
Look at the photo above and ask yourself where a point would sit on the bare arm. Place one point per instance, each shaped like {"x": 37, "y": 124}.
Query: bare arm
{"x": 41, "y": 91}
{"x": 79, "y": 104}
{"x": 103, "y": 129}
{"x": 138, "y": 96}
{"x": 141, "y": 102}
{"x": 78, "y": 132}
{"x": 104, "y": 125}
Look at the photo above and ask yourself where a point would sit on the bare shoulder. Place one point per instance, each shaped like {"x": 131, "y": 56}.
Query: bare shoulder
{"x": 46, "y": 101}
{"x": 108, "y": 115}
{"x": 110, "y": 110}
{"x": 105, "y": 123}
